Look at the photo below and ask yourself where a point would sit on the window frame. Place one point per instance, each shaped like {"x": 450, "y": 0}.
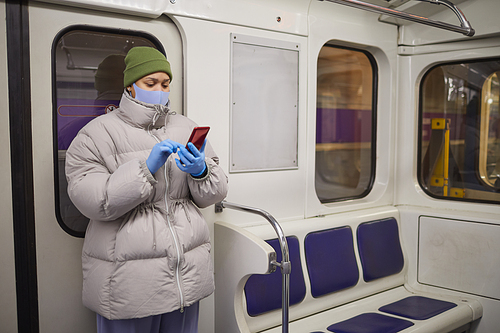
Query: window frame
{"x": 374, "y": 117}
{"x": 95, "y": 29}
{"x": 477, "y": 143}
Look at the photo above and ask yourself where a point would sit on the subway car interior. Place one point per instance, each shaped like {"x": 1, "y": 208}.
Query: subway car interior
{"x": 361, "y": 141}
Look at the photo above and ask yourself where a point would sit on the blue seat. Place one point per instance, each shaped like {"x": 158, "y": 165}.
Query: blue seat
{"x": 370, "y": 323}
{"x": 417, "y": 307}
{"x": 263, "y": 291}
{"x": 331, "y": 261}
{"x": 379, "y": 249}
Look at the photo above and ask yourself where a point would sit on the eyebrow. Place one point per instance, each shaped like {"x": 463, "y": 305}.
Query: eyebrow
{"x": 156, "y": 80}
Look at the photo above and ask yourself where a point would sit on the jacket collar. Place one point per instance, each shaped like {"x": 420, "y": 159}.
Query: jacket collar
{"x": 140, "y": 114}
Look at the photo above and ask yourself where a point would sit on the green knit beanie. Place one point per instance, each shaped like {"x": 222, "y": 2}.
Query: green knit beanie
{"x": 141, "y": 61}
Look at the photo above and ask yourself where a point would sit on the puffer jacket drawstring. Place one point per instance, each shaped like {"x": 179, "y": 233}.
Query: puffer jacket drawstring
{"x": 154, "y": 229}
{"x": 158, "y": 113}
{"x": 144, "y": 209}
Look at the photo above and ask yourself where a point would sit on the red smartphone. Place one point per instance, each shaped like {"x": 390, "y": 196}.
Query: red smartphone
{"x": 198, "y": 136}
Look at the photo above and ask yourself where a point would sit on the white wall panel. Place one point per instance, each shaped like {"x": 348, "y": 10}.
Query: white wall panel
{"x": 460, "y": 255}
{"x": 208, "y": 102}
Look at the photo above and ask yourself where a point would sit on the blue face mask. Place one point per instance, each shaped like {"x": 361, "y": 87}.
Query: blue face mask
{"x": 151, "y": 97}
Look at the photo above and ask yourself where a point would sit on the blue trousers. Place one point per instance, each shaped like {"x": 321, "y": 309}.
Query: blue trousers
{"x": 172, "y": 322}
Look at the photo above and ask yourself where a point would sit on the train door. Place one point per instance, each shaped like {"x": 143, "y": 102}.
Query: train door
{"x": 73, "y": 53}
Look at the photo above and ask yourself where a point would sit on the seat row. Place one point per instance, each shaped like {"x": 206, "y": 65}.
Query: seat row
{"x": 344, "y": 279}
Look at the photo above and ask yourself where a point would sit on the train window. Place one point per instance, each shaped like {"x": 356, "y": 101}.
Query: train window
{"x": 345, "y": 119}
{"x": 459, "y": 144}
{"x": 87, "y": 66}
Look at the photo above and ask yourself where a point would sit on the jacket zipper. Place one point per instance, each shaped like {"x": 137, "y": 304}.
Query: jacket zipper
{"x": 177, "y": 274}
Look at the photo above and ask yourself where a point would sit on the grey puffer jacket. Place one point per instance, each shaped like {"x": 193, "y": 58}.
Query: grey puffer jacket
{"x": 147, "y": 246}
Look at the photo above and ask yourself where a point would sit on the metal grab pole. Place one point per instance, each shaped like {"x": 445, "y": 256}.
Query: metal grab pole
{"x": 465, "y": 27}
{"x": 285, "y": 264}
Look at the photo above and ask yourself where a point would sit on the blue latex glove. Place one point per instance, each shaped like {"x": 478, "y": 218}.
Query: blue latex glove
{"x": 159, "y": 154}
{"x": 192, "y": 161}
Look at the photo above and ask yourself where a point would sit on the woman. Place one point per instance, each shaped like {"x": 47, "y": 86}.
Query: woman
{"x": 146, "y": 256}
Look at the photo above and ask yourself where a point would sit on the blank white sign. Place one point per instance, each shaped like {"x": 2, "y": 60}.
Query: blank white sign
{"x": 264, "y": 101}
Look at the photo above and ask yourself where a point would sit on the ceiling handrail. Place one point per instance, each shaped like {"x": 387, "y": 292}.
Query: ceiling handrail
{"x": 465, "y": 27}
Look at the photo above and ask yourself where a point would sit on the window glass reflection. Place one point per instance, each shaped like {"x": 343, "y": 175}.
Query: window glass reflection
{"x": 88, "y": 69}
{"x": 344, "y": 124}
{"x": 459, "y": 137}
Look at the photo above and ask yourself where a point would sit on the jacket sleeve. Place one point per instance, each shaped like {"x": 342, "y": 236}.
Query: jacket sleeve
{"x": 213, "y": 187}
{"x": 98, "y": 193}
